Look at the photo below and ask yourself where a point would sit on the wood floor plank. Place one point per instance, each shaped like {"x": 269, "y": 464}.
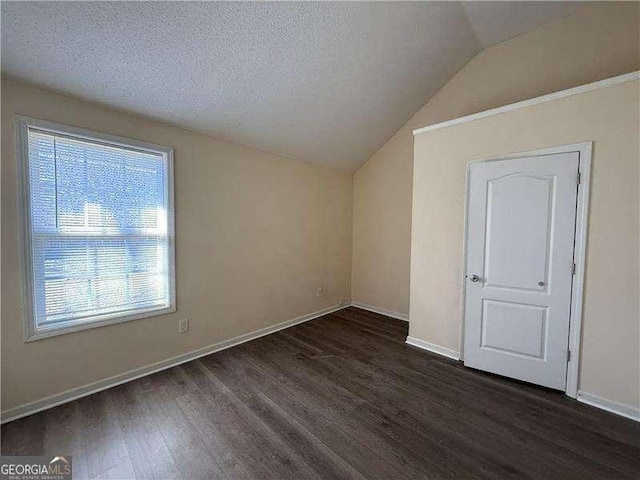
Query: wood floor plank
{"x": 24, "y": 436}
{"x": 336, "y": 427}
{"x": 61, "y": 435}
{"x": 186, "y": 444}
{"x": 150, "y": 457}
{"x": 339, "y": 397}
{"x": 105, "y": 449}
{"x": 326, "y": 462}
{"x": 249, "y": 438}
{"x": 417, "y": 445}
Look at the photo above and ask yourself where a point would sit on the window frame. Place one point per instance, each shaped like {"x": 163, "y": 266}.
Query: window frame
{"x": 31, "y": 330}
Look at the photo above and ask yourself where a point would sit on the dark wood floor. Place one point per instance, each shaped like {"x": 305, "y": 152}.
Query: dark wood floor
{"x": 341, "y": 396}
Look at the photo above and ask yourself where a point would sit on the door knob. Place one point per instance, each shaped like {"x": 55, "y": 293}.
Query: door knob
{"x": 474, "y": 278}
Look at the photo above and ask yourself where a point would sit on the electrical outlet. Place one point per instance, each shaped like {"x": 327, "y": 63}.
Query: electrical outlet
{"x": 183, "y": 325}
{"x": 319, "y": 292}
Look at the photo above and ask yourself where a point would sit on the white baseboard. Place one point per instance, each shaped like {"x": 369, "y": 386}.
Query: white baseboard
{"x": 15, "y": 413}
{"x": 621, "y": 409}
{"x": 433, "y": 348}
{"x": 381, "y": 311}
{"x": 79, "y": 392}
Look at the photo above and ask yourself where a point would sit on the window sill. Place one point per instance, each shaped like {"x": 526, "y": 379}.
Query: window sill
{"x": 101, "y": 321}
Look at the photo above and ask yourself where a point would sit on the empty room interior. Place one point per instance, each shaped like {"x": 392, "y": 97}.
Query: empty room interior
{"x": 323, "y": 240}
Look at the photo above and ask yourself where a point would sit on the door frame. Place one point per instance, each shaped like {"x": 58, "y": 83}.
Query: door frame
{"x": 584, "y": 151}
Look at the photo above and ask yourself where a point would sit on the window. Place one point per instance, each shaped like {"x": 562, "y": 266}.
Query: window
{"x": 97, "y": 228}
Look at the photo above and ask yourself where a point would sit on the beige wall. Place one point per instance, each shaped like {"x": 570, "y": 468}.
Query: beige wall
{"x": 599, "y": 42}
{"x": 256, "y": 235}
{"x": 610, "y": 117}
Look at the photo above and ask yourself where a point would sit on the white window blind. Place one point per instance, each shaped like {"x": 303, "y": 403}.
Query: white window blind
{"x": 99, "y": 230}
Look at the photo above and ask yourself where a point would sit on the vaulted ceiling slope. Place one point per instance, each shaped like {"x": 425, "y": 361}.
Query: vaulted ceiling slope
{"x": 320, "y": 81}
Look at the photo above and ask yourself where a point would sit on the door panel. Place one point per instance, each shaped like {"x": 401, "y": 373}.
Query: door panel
{"x": 520, "y": 236}
{"x": 514, "y": 328}
{"x": 509, "y": 232}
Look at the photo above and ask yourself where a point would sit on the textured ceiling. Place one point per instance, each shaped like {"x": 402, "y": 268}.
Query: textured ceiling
{"x": 324, "y": 82}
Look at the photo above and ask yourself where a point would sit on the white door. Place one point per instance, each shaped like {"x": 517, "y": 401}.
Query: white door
{"x": 520, "y": 238}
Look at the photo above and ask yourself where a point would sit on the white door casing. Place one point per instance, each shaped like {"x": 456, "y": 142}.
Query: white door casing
{"x": 521, "y": 223}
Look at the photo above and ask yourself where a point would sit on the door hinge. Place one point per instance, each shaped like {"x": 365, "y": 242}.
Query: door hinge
{"x": 578, "y": 178}
{"x": 573, "y": 269}
{"x": 568, "y": 355}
